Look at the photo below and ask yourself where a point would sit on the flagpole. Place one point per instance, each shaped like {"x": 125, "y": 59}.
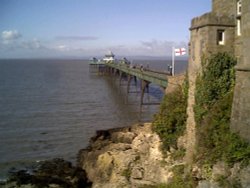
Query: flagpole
{"x": 173, "y": 54}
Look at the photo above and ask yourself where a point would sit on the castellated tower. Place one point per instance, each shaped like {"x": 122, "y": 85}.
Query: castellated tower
{"x": 221, "y": 30}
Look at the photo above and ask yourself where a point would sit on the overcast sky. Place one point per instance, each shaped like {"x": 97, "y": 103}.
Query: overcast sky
{"x": 84, "y": 28}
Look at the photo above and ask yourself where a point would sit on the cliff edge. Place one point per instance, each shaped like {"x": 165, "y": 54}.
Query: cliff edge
{"x": 125, "y": 157}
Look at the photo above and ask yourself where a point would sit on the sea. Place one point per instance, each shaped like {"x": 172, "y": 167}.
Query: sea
{"x": 50, "y": 108}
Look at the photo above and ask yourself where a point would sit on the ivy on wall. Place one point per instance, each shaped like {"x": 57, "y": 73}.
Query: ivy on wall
{"x": 214, "y": 97}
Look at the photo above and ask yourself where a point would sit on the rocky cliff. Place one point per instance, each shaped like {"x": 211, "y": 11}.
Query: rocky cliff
{"x": 132, "y": 157}
{"x": 125, "y": 157}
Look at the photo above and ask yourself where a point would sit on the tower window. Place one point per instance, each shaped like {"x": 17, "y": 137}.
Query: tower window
{"x": 239, "y": 7}
{"x": 239, "y": 17}
{"x": 221, "y": 37}
{"x": 238, "y": 26}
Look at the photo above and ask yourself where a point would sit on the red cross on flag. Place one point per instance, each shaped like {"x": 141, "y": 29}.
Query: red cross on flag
{"x": 179, "y": 51}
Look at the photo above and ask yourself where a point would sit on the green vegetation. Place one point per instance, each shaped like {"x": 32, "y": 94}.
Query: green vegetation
{"x": 214, "y": 96}
{"x": 215, "y": 82}
{"x": 127, "y": 173}
{"x": 180, "y": 179}
{"x": 162, "y": 185}
{"x": 178, "y": 154}
{"x": 224, "y": 182}
{"x": 215, "y": 141}
{"x": 170, "y": 122}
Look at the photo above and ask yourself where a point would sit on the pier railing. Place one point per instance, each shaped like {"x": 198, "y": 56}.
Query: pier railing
{"x": 147, "y": 76}
{"x": 158, "y": 78}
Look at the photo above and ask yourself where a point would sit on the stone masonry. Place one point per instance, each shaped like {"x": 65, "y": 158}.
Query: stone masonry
{"x": 225, "y": 29}
{"x": 240, "y": 120}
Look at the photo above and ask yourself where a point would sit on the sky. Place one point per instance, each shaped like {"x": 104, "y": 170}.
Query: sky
{"x": 85, "y": 28}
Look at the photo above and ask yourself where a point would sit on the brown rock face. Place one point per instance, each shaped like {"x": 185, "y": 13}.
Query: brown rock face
{"x": 125, "y": 157}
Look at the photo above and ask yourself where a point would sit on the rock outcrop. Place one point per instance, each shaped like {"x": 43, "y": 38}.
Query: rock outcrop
{"x": 221, "y": 175}
{"x": 129, "y": 157}
{"x": 132, "y": 157}
{"x": 56, "y": 173}
{"x": 125, "y": 157}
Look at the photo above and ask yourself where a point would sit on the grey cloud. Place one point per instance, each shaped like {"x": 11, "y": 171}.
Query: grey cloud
{"x": 10, "y": 35}
{"x": 157, "y": 47}
{"x": 32, "y": 45}
{"x": 157, "y": 44}
{"x": 150, "y": 48}
{"x": 76, "y": 38}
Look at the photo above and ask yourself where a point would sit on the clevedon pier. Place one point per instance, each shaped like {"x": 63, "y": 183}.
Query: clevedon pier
{"x": 132, "y": 73}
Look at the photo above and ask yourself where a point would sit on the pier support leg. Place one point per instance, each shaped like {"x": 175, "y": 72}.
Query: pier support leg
{"x": 135, "y": 79}
{"x": 144, "y": 84}
{"x": 109, "y": 71}
{"x": 129, "y": 80}
{"x": 120, "y": 77}
{"x": 130, "y": 77}
{"x": 115, "y": 72}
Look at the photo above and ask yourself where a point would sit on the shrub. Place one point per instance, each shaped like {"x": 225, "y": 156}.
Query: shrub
{"x": 169, "y": 123}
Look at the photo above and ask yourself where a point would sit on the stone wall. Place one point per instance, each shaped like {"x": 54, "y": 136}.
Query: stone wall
{"x": 224, "y": 7}
{"x": 203, "y": 43}
{"x": 207, "y": 26}
{"x": 240, "y": 121}
{"x": 197, "y": 44}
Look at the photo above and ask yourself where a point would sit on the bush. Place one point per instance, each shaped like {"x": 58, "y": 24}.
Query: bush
{"x": 170, "y": 122}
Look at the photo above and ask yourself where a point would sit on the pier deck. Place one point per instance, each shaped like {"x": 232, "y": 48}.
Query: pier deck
{"x": 146, "y": 76}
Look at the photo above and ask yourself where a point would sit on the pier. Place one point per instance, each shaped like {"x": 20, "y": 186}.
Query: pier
{"x": 123, "y": 70}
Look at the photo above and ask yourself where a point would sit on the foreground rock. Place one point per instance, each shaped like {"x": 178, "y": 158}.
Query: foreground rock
{"x": 54, "y": 173}
{"x": 125, "y": 157}
{"x": 130, "y": 158}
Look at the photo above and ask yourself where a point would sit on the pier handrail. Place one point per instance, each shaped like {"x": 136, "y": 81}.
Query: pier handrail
{"x": 159, "y": 78}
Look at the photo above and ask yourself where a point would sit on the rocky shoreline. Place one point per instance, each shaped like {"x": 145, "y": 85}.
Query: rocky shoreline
{"x": 120, "y": 157}
{"x": 52, "y": 173}
{"x": 125, "y": 157}
{"x": 128, "y": 157}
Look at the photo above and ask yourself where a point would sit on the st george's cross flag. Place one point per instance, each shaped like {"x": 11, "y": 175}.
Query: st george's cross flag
{"x": 176, "y": 52}
{"x": 179, "y": 51}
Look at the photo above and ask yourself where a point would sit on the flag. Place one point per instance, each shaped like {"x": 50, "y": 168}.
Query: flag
{"x": 179, "y": 51}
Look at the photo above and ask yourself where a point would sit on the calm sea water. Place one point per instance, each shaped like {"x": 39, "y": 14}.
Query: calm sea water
{"x": 50, "y": 108}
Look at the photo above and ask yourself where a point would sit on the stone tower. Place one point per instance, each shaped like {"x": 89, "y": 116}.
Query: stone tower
{"x": 221, "y": 30}
{"x": 240, "y": 119}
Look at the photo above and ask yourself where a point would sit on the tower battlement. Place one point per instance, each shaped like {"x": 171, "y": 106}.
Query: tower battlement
{"x": 210, "y": 19}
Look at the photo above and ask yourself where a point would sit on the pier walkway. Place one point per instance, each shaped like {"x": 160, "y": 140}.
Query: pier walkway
{"x": 146, "y": 76}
